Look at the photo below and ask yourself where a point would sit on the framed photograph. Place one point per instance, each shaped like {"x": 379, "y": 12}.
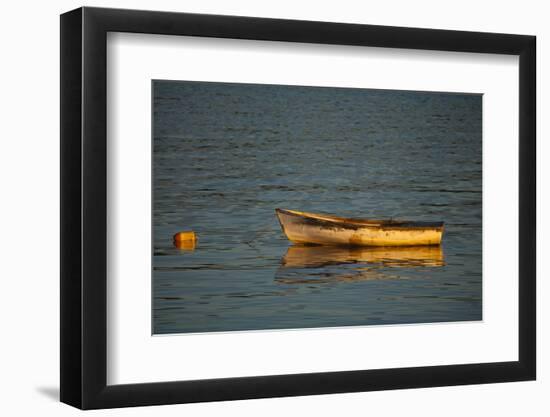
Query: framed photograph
{"x": 257, "y": 208}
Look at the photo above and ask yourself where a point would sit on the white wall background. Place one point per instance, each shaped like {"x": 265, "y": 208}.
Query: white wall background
{"x": 29, "y": 225}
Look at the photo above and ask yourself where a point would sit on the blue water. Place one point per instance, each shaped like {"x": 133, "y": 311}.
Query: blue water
{"x": 226, "y": 155}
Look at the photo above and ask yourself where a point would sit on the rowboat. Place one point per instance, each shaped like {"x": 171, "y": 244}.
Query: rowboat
{"x": 325, "y": 229}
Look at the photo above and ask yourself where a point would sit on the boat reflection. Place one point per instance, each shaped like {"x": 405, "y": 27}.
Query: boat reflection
{"x": 318, "y": 256}
{"x": 320, "y": 264}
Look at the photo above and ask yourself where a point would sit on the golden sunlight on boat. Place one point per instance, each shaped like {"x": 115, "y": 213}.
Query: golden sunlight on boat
{"x": 324, "y": 229}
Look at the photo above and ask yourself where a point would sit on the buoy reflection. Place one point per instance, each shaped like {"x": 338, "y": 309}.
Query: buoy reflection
{"x": 185, "y": 244}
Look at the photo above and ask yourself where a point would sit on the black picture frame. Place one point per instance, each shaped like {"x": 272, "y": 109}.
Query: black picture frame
{"x": 84, "y": 207}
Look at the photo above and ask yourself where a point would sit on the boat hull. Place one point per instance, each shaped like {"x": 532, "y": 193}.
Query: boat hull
{"x": 309, "y": 228}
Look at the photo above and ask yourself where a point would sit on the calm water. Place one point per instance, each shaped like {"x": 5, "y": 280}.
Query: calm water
{"x": 226, "y": 155}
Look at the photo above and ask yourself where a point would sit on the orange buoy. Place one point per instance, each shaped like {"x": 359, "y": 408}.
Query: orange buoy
{"x": 185, "y": 240}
